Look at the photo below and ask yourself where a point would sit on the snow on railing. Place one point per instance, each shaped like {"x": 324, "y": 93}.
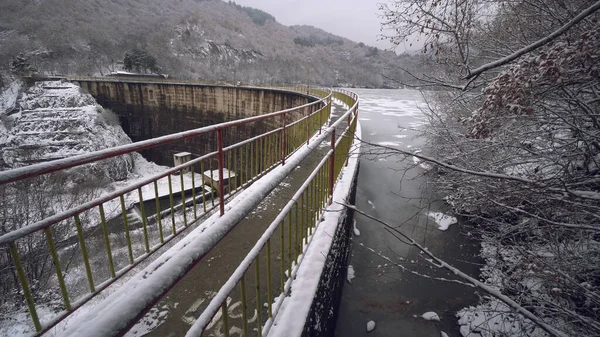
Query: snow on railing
{"x": 301, "y": 215}
{"x": 228, "y": 168}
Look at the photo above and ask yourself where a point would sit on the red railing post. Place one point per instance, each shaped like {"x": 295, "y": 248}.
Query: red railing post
{"x": 331, "y": 166}
{"x": 283, "y": 142}
{"x": 221, "y": 159}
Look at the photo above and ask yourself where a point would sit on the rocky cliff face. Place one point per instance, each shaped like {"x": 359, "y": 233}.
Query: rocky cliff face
{"x": 54, "y": 120}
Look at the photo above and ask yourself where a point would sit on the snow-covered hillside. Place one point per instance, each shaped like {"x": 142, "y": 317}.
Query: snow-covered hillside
{"x": 53, "y": 120}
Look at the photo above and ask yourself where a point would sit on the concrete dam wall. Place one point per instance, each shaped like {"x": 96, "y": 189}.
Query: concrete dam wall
{"x": 150, "y": 109}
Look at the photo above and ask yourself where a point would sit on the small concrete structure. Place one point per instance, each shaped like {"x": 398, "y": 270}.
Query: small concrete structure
{"x": 181, "y": 158}
{"x": 212, "y": 178}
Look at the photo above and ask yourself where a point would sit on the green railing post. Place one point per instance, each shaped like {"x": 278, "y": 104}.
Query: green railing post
{"x": 183, "y": 206}
{"x": 25, "y": 286}
{"x": 144, "y": 221}
{"x": 225, "y": 314}
{"x": 126, "y": 227}
{"x": 194, "y": 192}
{"x": 111, "y": 264}
{"x": 58, "y": 269}
{"x": 84, "y": 253}
{"x": 221, "y": 161}
{"x": 269, "y": 279}
{"x": 244, "y": 306}
{"x": 258, "y": 304}
{"x": 158, "y": 211}
{"x": 172, "y": 202}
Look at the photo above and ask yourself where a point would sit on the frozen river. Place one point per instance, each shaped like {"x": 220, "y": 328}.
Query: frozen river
{"x": 392, "y": 188}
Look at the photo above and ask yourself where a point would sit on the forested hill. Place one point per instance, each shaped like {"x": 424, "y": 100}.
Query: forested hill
{"x": 209, "y": 39}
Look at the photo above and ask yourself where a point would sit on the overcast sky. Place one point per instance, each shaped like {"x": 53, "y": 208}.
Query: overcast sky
{"x": 356, "y": 20}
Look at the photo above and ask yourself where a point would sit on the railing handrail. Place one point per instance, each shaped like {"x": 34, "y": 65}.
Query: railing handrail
{"x": 148, "y": 295}
{"x": 65, "y": 163}
{"x": 61, "y": 164}
{"x": 303, "y": 126}
{"x": 215, "y": 304}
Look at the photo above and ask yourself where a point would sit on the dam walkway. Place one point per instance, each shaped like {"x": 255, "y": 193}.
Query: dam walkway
{"x": 211, "y": 245}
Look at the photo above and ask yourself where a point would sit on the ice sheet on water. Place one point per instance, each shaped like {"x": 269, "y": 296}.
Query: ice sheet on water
{"x": 356, "y": 231}
{"x": 431, "y": 316}
{"x": 350, "y": 274}
{"x": 370, "y": 326}
{"x": 442, "y": 220}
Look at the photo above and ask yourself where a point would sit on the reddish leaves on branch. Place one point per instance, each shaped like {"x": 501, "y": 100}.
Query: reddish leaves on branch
{"x": 519, "y": 89}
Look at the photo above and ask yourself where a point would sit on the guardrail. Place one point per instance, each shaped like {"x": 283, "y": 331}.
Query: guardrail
{"x": 285, "y": 240}
{"x": 228, "y": 169}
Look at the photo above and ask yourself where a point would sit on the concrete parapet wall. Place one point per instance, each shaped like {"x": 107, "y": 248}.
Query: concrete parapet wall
{"x": 322, "y": 316}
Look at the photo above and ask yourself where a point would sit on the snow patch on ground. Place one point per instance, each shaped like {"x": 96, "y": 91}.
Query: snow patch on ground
{"x": 442, "y": 220}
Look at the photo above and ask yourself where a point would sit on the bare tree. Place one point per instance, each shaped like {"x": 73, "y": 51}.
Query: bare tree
{"x": 515, "y": 141}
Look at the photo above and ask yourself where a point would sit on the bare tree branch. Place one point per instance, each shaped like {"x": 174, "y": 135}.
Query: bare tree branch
{"x": 525, "y": 50}
{"x": 491, "y": 291}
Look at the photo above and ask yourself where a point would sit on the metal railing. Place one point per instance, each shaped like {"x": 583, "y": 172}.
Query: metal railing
{"x": 101, "y": 227}
{"x": 282, "y": 245}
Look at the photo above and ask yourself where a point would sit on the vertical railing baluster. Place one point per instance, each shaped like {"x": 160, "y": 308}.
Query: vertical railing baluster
{"x": 229, "y": 167}
{"x": 225, "y": 314}
{"x": 269, "y": 280}
{"x": 310, "y": 207}
{"x": 307, "y": 214}
{"x": 296, "y": 220}
{"x": 258, "y": 304}
{"x": 58, "y": 269}
{"x": 158, "y": 211}
{"x": 203, "y": 189}
{"x": 172, "y": 205}
{"x": 272, "y": 147}
{"x": 282, "y": 253}
{"x": 332, "y": 166}
{"x": 260, "y": 157}
{"x": 126, "y": 227}
{"x": 111, "y": 264}
{"x": 221, "y": 161}
{"x": 25, "y": 286}
{"x": 244, "y": 306}
{"x": 290, "y": 242}
{"x": 235, "y": 168}
{"x": 194, "y": 192}
{"x": 84, "y": 253}
{"x": 307, "y": 125}
{"x": 212, "y": 181}
{"x": 183, "y": 206}
{"x": 283, "y": 139}
{"x": 144, "y": 221}
{"x": 252, "y": 160}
